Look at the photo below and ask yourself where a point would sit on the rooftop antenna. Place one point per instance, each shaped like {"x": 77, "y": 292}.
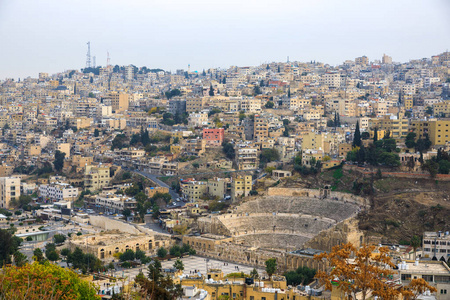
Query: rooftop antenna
{"x": 108, "y": 59}
{"x": 93, "y": 61}
{"x": 88, "y": 55}
{"x": 288, "y": 59}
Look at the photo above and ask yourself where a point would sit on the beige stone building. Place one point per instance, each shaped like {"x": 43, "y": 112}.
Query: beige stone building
{"x": 9, "y": 190}
{"x": 241, "y": 185}
{"x": 96, "y": 177}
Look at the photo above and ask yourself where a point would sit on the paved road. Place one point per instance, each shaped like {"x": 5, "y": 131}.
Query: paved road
{"x": 155, "y": 179}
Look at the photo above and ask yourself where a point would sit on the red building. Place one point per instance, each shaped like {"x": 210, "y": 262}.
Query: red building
{"x": 213, "y": 137}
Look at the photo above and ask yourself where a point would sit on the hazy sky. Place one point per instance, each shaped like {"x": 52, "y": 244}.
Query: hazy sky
{"x": 51, "y": 36}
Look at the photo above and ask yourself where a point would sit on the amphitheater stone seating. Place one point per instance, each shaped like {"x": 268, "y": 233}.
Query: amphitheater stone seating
{"x": 334, "y": 209}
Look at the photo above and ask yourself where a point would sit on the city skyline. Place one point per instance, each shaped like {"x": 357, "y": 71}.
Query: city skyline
{"x": 51, "y": 36}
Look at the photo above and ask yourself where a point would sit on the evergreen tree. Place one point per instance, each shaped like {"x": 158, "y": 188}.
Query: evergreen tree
{"x": 289, "y": 93}
{"x": 211, "y": 90}
{"x": 357, "y": 136}
{"x": 59, "y": 160}
{"x": 375, "y": 135}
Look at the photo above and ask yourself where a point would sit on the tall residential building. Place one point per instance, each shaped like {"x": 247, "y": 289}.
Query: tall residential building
{"x": 177, "y": 107}
{"x": 408, "y": 101}
{"x": 386, "y": 59}
{"x": 96, "y": 177}
{"x": 195, "y": 104}
{"x": 241, "y": 185}
{"x": 129, "y": 73}
{"x": 363, "y": 60}
{"x": 119, "y": 101}
{"x": 437, "y": 130}
{"x": 9, "y": 190}
{"x": 261, "y": 128}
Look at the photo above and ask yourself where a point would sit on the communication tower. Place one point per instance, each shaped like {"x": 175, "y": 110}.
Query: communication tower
{"x": 88, "y": 56}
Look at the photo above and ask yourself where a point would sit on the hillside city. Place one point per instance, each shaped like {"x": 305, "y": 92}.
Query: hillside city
{"x": 252, "y": 182}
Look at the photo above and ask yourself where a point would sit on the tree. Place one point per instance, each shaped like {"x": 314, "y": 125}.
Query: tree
{"x": 431, "y": 166}
{"x": 24, "y": 200}
{"x": 269, "y": 104}
{"x": 126, "y": 213}
{"x": 44, "y": 281}
{"x": 178, "y": 264}
{"x": 365, "y": 274}
{"x": 211, "y": 90}
{"x": 154, "y": 270}
{"x": 65, "y": 252}
{"x": 8, "y": 246}
{"x": 271, "y": 266}
{"x": 303, "y": 275}
{"x": 59, "y": 238}
{"x": 254, "y": 274}
{"x": 20, "y": 259}
{"x": 96, "y": 132}
{"x": 416, "y": 288}
{"x": 59, "y": 160}
{"x": 357, "y": 136}
{"x": 38, "y": 255}
{"x": 415, "y": 243}
{"x": 268, "y": 155}
{"x": 52, "y": 255}
{"x": 162, "y": 252}
{"x": 127, "y": 255}
{"x": 228, "y": 149}
{"x": 375, "y": 134}
{"x": 410, "y": 140}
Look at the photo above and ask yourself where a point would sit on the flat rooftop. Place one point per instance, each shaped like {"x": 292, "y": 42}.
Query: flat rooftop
{"x": 428, "y": 267}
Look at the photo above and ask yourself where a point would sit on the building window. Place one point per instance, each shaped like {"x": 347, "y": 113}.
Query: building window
{"x": 406, "y": 276}
{"x": 428, "y": 278}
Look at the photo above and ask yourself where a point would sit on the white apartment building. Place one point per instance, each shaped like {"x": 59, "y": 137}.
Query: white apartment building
{"x": 436, "y": 245}
{"x": 58, "y": 191}
{"x": 111, "y": 203}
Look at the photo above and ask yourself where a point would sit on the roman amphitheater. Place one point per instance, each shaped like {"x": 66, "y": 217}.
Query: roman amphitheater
{"x": 280, "y": 224}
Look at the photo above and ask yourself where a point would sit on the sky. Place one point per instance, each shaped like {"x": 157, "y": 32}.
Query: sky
{"x": 50, "y": 36}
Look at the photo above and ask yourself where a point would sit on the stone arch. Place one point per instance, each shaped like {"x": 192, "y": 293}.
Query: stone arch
{"x": 102, "y": 253}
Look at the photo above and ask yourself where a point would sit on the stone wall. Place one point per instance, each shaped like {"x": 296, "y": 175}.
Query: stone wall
{"x": 345, "y": 232}
{"x": 109, "y": 224}
{"x": 319, "y": 193}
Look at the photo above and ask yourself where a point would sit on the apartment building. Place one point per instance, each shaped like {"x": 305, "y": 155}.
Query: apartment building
{"x": 96, "y": 177}
{"x": 198, "y": 119}
{"x": 118, "y": 101}
{"x": 362, "y": 61}
{"x": 217, "y": 187}
{"x": 442, "y": 109}
{"x": 195, "y": 146}
{"x": 241, "y": 186}
{"x": 58, "y": 191}
{"x": 9, "y": 190}
{"x": 261, "y": 128}
{"x": 195, "y": 104}
{"x": 437, "y": 130}
{"x": 193, "y": 190}
{"x": 114, "y": 204}
{"x": 177, "y": 107}
{"x": 213, "y": 136}
{"x": 247, "y": 158}
{"x": 398, "y": 127}
{"x": 436, "y": 245}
